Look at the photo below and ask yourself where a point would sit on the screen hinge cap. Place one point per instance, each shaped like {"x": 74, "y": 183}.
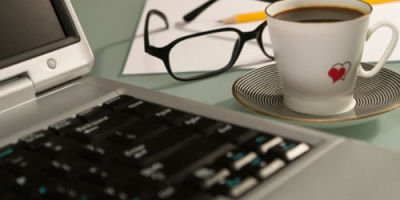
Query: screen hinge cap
{"x": 16, "y": 91}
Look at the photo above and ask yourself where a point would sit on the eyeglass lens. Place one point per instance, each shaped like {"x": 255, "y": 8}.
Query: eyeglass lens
{"x": 191, "y": 54}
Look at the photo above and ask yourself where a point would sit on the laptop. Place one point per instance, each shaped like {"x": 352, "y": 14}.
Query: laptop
{"x": 66, "y": 134}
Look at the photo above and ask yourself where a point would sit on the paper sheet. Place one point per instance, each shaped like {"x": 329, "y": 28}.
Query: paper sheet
{"x": 139, "y": 62}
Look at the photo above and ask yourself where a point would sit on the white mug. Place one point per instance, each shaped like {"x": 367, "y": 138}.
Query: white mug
{"x": 319, "y": 62}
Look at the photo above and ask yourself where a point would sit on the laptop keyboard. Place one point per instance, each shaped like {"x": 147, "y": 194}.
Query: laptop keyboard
{"x": 129, "y": 149}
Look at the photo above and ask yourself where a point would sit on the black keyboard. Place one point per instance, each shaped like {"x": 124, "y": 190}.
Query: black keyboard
{"x": 129, "y": 149}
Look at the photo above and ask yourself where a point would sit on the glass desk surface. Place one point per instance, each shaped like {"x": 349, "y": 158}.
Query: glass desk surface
{"x": 110, "y": 27}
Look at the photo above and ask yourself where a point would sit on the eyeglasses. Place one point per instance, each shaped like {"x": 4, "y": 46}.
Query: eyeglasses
{"x": 184, "y": 54}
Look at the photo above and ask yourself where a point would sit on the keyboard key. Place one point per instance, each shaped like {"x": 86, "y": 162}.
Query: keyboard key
{"x": 264, "y": 167}
{"x": 220, "y": 197}
{"x": 34, "y": 185}
{"x": 92, "y": 152}
{"x": 137, "y": 131}
{"x": 142, "y": 109}
{"x": 59, "y": 169}
{"x": 101, "y": 127}
{"x": 119, "y": 103}
{"x": 167, "y": 193}
{"x": 131, "y": 190}
{"x": 22, "y": 162}
{"x": 16, "y": 160}
{"x": 237, "y": 159}
{"x": 54, "y": 147}
{"x": 181, "y": 193}
{"x": 33, "y": 138}
{"x": 237, "y": 135}
{"x": 171, "y": 117}
{"x": 290, "y": 150}
{"x": 65, "y": 168}
{"x": 152, "y": 150}
{"x": 94, "y": 113}
{"x": 175, "y": 168}
{"x": 72, "y": 191}
{"x": 23, "y": 184}
{"x": 235, "y": 185}
{"x": 207, "y": 176}
{"x": 65, "y": 126}
{"x": 7, "y": 151}
{"x": 200, "y": 124}
{"x": 106, "y": 174}
{"x": 262, "y": 143}
{"x": 97, "y": 175}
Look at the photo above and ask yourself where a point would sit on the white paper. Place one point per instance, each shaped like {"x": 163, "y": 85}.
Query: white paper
{"x": 376, "y": 45}
{"x": 139, "y": 62}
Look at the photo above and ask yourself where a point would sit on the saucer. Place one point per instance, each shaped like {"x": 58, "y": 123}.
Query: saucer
{"x": 261, "y": 90}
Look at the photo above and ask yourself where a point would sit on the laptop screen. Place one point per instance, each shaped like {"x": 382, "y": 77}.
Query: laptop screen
{"x": 30, "y": 28}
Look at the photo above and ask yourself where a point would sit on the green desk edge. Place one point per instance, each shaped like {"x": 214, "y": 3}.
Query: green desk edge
{"x": 110, "y": 26}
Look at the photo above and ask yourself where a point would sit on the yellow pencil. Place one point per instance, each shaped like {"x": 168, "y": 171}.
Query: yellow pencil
{"x": 378, "y": 1}
{"x": 255, "y": 16}
{"x": 245, "y": 17}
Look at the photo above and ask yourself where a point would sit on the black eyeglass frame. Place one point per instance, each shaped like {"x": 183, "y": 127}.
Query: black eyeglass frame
{"x": 163, "y": 52}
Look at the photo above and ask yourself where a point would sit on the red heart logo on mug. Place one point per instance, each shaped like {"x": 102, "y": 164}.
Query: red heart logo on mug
{"x": 336, "y": 74}
{"x": 339, "y": 71}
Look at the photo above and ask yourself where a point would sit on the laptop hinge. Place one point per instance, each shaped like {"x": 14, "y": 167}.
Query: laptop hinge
{"x": 16, "y": 91}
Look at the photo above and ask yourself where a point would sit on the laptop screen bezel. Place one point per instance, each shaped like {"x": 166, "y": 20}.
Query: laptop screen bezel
{"x": 71, "y": 33}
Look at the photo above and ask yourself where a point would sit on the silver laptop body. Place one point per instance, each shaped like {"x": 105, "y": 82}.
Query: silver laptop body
{"x": 43, "y": 84}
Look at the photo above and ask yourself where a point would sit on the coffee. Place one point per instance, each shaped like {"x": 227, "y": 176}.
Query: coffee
{"x": 319, "y": 14}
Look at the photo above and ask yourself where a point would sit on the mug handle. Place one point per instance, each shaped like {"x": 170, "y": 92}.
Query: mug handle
{"x": 388, "y": 51}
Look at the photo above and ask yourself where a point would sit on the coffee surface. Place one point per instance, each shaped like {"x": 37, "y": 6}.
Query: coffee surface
{"x": 319, "y": 14}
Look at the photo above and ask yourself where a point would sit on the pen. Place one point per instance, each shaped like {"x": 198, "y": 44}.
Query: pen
{"x": 255, "y": 16}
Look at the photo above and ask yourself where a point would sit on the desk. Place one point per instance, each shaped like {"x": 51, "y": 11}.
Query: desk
{"x": 109, "y": 26}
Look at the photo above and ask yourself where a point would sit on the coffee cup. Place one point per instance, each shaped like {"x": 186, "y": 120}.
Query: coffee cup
{"x": 318, "y": 46}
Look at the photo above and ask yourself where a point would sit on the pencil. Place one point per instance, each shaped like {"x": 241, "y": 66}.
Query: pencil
{"x": 245, "y": 17}
{"x": 378, "y": 1}
{"x": 255, "y": 16}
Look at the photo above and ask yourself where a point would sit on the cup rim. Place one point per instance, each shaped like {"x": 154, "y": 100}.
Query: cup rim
{"x": 321, "y": 4}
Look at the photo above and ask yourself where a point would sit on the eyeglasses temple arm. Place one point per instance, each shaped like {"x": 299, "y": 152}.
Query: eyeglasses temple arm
{"x": 148, "y": 48}
{"x": 194, "y": 13}
{"x": 259, "y": 39}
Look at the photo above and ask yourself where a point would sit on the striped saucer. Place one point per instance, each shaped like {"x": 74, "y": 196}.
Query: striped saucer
{"x": 260, "y": 90}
